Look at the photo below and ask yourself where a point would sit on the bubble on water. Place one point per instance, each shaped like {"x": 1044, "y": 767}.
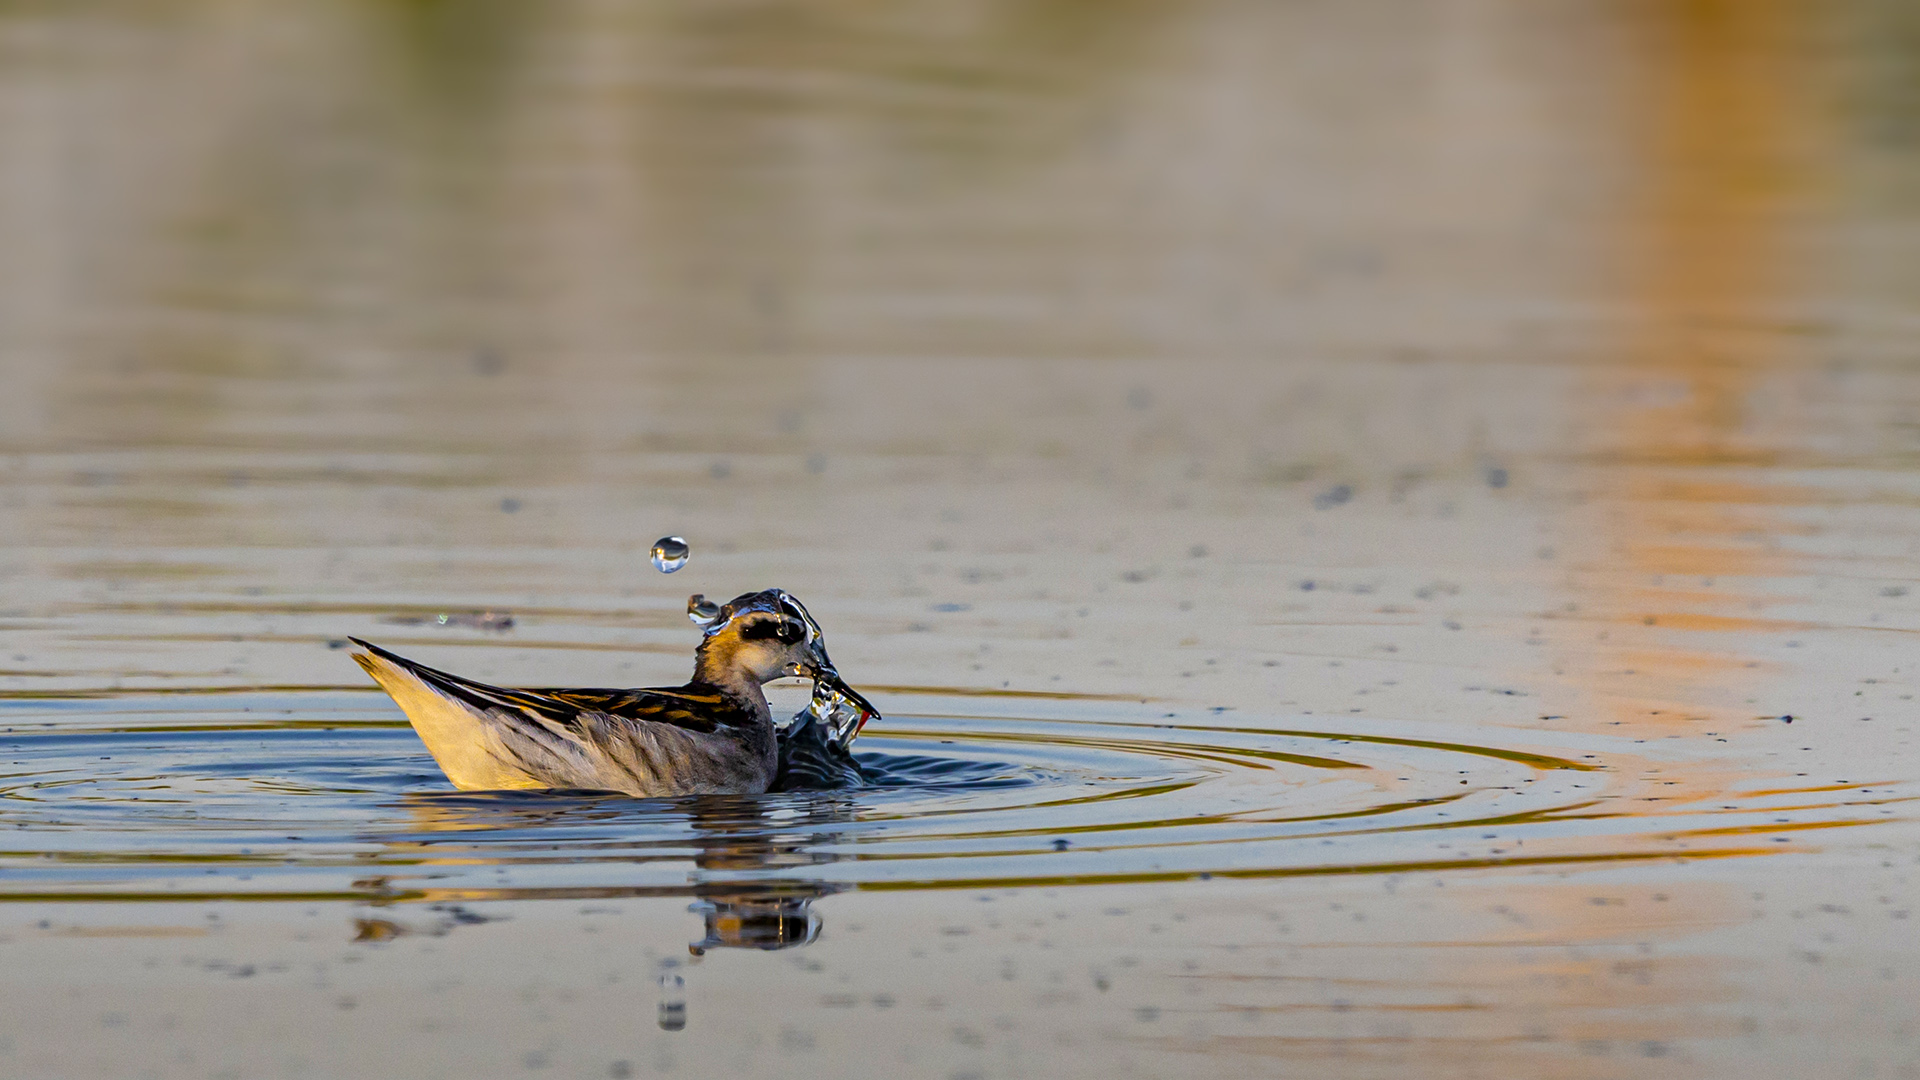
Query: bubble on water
{"x": 702, "y": 610}
{"x": 670, "y": 553}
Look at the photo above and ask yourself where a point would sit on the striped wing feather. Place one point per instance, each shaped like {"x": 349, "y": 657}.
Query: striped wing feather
{"x": 643, "y": 741}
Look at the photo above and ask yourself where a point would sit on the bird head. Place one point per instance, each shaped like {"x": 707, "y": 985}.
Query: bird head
{"x": 765, "y": 636}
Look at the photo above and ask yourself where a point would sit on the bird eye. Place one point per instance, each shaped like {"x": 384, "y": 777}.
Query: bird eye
{"x": 786, "y": 631}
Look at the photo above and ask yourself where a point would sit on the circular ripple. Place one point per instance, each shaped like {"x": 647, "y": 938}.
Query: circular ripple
{"x": 299, "y": 796}
{"x": 316, "y": 796}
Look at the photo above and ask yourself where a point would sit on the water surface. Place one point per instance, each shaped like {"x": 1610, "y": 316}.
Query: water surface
{"x": 1383, "y": 533}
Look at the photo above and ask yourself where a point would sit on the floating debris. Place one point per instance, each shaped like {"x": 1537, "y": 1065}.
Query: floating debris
{"x": 472, "y": 620}
{"x": 453, "y": 916}
{"x": 377, "y": 930}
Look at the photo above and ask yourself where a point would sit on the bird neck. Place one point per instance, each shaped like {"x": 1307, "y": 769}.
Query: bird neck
{"x": 714, "y": 665}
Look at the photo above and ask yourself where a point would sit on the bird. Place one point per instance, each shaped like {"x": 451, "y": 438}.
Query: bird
{"x": 714, "y": 735}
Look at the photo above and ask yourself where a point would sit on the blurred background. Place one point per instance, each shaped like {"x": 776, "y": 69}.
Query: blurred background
{"x": 1488, "y": 365}
{"x": 1060, "y": 320}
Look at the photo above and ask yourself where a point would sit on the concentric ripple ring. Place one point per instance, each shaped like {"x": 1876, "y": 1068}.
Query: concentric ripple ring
{"x": 306, "y": 794}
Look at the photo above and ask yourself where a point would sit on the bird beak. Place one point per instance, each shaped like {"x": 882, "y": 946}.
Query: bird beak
{"x": 821, "y": 670}
{"x": 867, "y": 711}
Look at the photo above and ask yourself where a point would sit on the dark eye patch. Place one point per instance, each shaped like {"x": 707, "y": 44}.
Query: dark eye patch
{"x": 786, "y": 631}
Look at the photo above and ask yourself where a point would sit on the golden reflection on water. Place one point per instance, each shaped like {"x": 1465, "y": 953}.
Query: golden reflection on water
{"x": 1724, "y": 119}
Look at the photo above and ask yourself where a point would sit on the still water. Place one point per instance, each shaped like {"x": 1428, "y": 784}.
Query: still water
{"x": 1386, "y": 535}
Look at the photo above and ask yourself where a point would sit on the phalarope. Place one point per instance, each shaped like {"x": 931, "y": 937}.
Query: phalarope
{"x": 714, "y": 735}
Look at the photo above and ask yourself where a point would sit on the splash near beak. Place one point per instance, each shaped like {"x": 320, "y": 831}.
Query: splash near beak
{"x": 838, "y": 707}
{"x": 857, "y": 700}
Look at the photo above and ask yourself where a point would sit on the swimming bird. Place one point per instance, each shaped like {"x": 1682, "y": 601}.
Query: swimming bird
{"x": 714, "y": 735}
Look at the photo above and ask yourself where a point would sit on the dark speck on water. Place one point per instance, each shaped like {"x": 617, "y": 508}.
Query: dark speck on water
{"x": 1332, "y": 497}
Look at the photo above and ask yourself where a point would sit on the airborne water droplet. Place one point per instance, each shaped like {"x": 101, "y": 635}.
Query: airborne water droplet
{"x": 702, "y": 610}
{"x": 670, "y": 554}
{"x": 673, "y": 1002}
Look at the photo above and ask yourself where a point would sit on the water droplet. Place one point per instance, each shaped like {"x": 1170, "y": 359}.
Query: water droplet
{"x": 673, "y": 1002}
{"x": 702, "y": 610}
{"x": 670, "y": 553}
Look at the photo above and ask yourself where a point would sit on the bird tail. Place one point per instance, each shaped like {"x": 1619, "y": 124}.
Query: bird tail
{"x": 463, "y": 736}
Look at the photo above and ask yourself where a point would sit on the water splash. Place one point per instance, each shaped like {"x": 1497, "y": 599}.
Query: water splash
{"x": 836, "y": 711}
{"x": 670, "y": 553}
{"x": 702, "y": 610}
{"x": 813, "y": 753}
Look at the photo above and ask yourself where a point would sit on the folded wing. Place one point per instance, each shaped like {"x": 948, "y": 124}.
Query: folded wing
{"x": 642, "y": 742}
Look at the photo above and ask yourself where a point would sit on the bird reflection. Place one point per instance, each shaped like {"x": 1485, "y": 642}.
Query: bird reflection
{"x": 757, "y": 914}
{"x": 751, "y": 857}
{"x": 739, "y": 921}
